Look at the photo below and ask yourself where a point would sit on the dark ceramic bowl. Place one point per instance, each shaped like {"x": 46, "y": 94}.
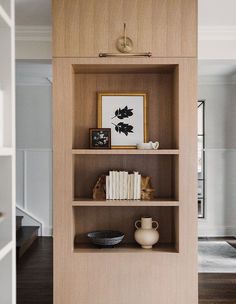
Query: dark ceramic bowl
{"x": 105, "y": 238}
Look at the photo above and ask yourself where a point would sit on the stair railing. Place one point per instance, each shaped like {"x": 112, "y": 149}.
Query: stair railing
{"x": 27, "y": 213}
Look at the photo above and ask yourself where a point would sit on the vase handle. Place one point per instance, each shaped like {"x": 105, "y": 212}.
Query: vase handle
{"x": 157, "y": 225}
{"x": 136, "y": 224}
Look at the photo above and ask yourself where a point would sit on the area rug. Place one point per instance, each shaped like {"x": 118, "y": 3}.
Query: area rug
{"x": 217, "y": 257}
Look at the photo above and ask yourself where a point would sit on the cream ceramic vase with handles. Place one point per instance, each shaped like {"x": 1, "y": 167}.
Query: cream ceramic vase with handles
{"x": 146, "y": 235}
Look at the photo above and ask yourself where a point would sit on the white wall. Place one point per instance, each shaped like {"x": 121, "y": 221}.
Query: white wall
{"x": 34, "y": 144}
{"x": 220, "y": 158}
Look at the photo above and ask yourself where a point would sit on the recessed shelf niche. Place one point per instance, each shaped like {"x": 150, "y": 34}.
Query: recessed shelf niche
{"x": 122, "y": 219}
{"x": 163, "y": 170}
{"x": 160, "y": 82}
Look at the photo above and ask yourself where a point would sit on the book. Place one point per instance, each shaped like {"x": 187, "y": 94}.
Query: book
{"x": 120, "y": 183}
{"x": 139, "y": 187}
{"x": 107, "y": 187}
{"x": 125, "y": 185}
{"x": 131, "y": 186}
{"x": 129, "y": 176}
{"x": 110, "y": 184}
{"x": 117, "y": 185}
{"x": 113, "y": 185}
{"x": 135, "y": 184}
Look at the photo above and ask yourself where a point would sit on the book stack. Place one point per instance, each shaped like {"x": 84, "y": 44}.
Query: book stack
{"x": 121, "y": 185}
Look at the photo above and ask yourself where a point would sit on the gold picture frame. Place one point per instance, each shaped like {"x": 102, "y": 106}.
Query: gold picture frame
{"x": 100, "y": 96}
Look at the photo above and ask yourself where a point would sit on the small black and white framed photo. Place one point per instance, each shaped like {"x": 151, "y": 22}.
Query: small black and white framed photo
{"x": 126, "y": 115}
{"x": 100, "y": 138}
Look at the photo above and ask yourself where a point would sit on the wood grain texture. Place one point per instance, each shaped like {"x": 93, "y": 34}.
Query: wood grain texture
{"x": 88, "y": 168}
{"x": 34, "y": 284}
{"x": 125, "y": 152}
{"x": 124, "y": 203}
{"x": 122, "y": 219}
{"x": 160, "y": 102}
{"x": 84, "y": 28}
{"x": 82, "y": 278}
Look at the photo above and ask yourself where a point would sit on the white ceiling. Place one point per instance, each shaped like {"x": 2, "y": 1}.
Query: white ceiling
{"x": 33, "y": 12}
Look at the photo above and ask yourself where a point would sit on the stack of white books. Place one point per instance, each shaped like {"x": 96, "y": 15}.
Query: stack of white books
{"x": 121, "y": 185}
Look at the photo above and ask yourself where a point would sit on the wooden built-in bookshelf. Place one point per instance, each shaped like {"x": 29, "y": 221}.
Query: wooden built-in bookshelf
{"x": 127, "y": 273}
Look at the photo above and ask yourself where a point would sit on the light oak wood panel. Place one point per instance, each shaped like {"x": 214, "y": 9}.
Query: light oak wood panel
{"x": 125, "y": 203}
{"x": 130, "y": 277}
{"x": 125, "y": 248}
{"x": 159, "y": 88}
{"x": 84, "y": 28}
{"x": 142, "y": 280}
{"x": 122, "y": 219}
{"x": 87, "y": 170}
{"x": 125, "y": 152}
{"x": 62, "y": 168}
{"x": 188, "y": 176}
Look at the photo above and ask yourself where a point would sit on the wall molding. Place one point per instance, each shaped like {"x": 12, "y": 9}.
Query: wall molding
{"x": 216, "y": 231}
{"x": 24, "y": 205}
{"x": 34, "y": 74}
{"x": 216, "y": 80}
{"x": 44, "y": 33}
{"x": 217, "y": 33}
{"x": 34, "y": 33}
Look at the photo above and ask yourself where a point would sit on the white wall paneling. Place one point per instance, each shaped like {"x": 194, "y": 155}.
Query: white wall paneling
{"x": 220, "y": 124}
{"x": 7, "y": 154}
{"x": 34, "y": 191}
{"x": 34, "y": 144}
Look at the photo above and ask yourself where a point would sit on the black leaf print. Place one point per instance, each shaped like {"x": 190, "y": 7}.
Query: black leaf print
{"x": 123, "y": 113}
{"x": 122, "y": 127}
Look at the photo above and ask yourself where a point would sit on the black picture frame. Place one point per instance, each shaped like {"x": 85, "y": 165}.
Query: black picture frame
{"x": 100, "y": 138}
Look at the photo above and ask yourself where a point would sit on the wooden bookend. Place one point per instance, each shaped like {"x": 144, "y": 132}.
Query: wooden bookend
{"x": 99, "y": 190}
{"x": 147, "y": 192}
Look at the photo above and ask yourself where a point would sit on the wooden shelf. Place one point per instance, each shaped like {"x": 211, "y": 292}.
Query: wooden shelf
{"x": 125, "y": 248}
{"x": 125, "y": 203}
{"x": 124, "y": 152}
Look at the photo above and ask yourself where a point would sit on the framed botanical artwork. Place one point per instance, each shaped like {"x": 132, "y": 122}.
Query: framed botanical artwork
{"x": 126, "y": 115}
{"x": 100, "y": 138}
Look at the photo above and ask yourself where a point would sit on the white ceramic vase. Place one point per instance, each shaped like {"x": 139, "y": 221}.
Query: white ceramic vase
{"x": 146, "y": 235}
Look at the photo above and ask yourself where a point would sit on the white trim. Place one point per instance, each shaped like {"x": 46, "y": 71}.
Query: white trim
{"x": 216, "y": 33}
{"x": 6, "y": 151}
{"x": 34, "y": 149}
{"x": 44, "y": 33}
{"x": 4, "y": 17}
{"x": 216, "y": 80}
{"x": 29, "y": 214}
{"x": 47, "y": 231}
{"x": 25, "y": 180}
{"x": 220, "y": 149}
{"x": 6, "y": 249}
{"x": 33, "y": 81}
{"x": 216, "y": 231}
{"x": 34, "y": 33}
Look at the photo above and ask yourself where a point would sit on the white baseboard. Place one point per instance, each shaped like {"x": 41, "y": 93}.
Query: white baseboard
{"x": 47, "y": 231}
{"x": 216, "y": 231}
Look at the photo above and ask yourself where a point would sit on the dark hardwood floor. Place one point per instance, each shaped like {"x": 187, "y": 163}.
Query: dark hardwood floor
{"x": 34, "y": 279}
{"x": 35, "y": 274}
{"x": 217, "y": 288}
